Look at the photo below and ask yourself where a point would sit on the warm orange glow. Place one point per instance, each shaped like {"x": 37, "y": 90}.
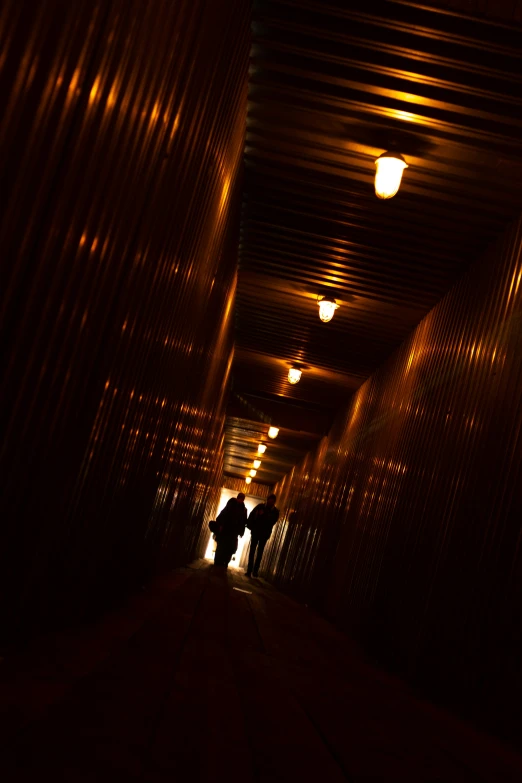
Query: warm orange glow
{"x": 94, "y": 90}
{"x": 248, "y": 480}
{"x": 253, "y": 472}
{"x": 224, "y": 193}
{"x": 273, "y": 432}
{"x": 155, "y": 113}
{"x": 74, "y": 81}
{"x": 261, "y": 448}
{"x": 257, "y": 463}
{"x": 111, "y": 98}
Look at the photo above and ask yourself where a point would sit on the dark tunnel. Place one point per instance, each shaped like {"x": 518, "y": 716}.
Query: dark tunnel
{"x": 268, "y": 248}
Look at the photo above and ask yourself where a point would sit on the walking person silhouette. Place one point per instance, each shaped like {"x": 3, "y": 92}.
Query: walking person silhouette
{"x": 261, "y": 523}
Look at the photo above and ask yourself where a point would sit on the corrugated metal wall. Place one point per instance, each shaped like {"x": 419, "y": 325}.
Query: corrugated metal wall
{"x": 406, "y": 524}
{"x": 238, "y": 485}
{"x": 122, "y": 136}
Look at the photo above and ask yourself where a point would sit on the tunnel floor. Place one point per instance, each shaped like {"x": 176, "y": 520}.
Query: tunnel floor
{"x": 208, "y": 676}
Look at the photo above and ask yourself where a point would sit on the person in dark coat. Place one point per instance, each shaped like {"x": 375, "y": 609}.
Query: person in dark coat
{"x": 230, "y": 524}
{"x": 261, "y": 522}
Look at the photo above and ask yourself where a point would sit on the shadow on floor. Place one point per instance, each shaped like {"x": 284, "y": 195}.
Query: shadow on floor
{"x": 210, "y": 676}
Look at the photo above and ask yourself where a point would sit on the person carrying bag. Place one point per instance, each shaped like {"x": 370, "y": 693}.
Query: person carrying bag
{"x": 229, "y": 524}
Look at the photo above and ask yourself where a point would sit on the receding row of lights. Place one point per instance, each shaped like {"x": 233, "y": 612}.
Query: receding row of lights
{"x": 389, "y": 170}
{"x": 273, "y": 432}
{"x": 327, "y": 308}
{"x": 390, "y": 167}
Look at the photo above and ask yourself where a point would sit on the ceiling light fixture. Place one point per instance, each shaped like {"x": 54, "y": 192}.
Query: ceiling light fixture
{"x": 248, "y": 480}
{"x": 253, "y": 472}
{"x": 327, "y": 308}
{"x": 273, "y": 432}
{"x": 261, "y": 448}
{"x": 390, "y": 166}
{"x": 294, "y": 375}
{"x": 257, "y": 463}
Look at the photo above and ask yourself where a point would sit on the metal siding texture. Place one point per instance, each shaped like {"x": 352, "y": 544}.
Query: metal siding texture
{"x": 242, "y": 437}
{"x": 238, "y": 485}
{"x": 332, "y": 85}
{"x": 404, "y": 524}
{"x": 505, "y": 10}
{"x": 122, "y": 138}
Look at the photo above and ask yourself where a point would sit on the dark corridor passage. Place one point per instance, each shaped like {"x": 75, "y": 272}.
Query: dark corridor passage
{"x": 183, "y": 182}
{"x": 212, "y": 677}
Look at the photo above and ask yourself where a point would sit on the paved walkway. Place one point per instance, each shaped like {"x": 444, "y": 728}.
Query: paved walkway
{"x": 209, "y": 676}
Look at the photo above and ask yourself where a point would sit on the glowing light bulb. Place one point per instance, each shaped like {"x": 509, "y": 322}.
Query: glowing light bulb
{"x": 248, "y": 480}
{"x": 261, "y": 448}
{"x": 257, "y": 463}
{"x": 390, "y": 167}
{"x": 253, "y": 472}
{"x": 273, "y": 432}
{"x": 294, "y": 375}
{"x": 327, "y": 308}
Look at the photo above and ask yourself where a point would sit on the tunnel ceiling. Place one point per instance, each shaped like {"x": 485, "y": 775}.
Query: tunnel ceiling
{"x": 331, "y": 88}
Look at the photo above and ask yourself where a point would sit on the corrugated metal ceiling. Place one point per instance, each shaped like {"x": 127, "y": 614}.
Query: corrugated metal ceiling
{"x": 331, "y": 87}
